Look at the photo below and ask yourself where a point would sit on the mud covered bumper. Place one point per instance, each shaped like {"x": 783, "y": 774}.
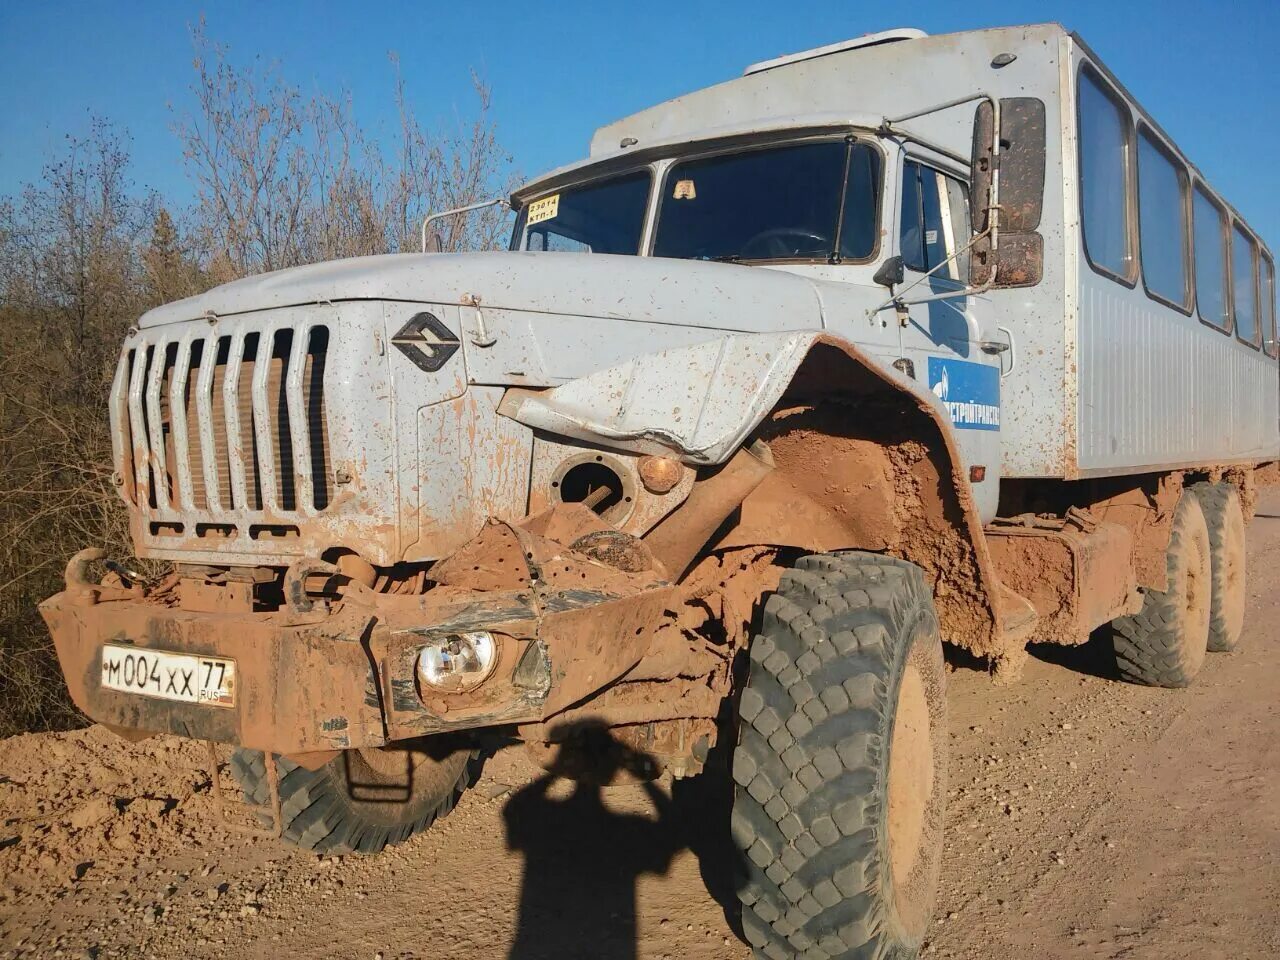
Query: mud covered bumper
{"x": 297, "y": 689}
{"x": 339, "y": 675}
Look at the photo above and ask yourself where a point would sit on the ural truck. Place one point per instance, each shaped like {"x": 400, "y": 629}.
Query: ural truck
{"x": 900, "y": 341}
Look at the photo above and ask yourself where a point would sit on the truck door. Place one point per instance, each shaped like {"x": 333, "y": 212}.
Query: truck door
{"x": 946, "y": 339}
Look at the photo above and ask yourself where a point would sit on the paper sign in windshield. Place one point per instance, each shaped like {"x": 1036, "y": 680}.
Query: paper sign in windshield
{"x": 545, "y": 209}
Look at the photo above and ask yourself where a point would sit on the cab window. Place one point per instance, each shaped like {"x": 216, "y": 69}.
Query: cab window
{"x": 797, "y": 201}
{"x": 602, "y": 217}
{"x": 934, "y": 221}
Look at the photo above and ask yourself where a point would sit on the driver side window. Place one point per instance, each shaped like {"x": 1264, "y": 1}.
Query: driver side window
{"x": 934, "y": 221}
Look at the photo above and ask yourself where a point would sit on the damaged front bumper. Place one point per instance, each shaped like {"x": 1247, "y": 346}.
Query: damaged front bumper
{"x": 572, "y": 606}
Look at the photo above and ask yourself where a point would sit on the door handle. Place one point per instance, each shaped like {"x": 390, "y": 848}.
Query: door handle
{"x": 1013, "y": 353}
{"x": 994, "y": 347}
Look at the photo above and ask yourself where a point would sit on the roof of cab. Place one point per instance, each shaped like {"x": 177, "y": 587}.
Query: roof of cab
{"x": 766, "y": 99}
{"x": 866, "y": 40}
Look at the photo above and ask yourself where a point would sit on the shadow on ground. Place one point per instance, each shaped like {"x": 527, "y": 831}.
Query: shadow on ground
{"x": 1096, "y": 658}
{"x": 582, "y": 860}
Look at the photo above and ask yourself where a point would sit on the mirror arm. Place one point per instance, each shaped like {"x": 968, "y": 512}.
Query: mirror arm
{"x": 896, "y": 299}
{"x": 432, "y": 217}
{"x": 888, "y": 125}
{"x": 937, "y": 107}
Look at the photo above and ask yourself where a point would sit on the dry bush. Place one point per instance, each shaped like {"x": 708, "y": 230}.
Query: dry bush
{"x": 71, "y": 282}
{"x": 281, "y": 180}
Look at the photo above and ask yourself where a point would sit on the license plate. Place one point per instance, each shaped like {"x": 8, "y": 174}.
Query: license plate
{"x": 169, "y": 676}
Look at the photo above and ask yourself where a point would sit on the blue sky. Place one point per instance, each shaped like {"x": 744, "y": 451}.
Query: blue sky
{"x": 560, "y": 69}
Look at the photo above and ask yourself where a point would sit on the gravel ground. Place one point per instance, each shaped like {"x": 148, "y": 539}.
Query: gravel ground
{"x": 1088, "y": 819}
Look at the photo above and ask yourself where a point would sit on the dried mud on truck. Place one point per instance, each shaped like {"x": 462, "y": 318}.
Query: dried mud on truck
{"x": 791, "y": 381}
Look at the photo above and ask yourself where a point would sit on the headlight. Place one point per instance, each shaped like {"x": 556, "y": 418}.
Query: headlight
{"x": 457, "y": 662}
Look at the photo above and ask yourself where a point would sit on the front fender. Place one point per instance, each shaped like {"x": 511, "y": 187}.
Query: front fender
{"x": 700, "y": 401}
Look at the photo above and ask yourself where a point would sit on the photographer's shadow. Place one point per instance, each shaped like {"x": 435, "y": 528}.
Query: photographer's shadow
{"x": 582, "y": 860}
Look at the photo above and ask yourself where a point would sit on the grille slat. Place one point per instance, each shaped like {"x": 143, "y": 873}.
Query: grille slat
{"x": 225, "y": 427}
{"x": 155, "y": 429}
{"x": 231, "y": 402}
{"x": 120, "y": 433}
{"x": 260, "y": 404}
{"x": 178, "y": 383}
{"x": 295, "y": 411}
{"x": 209, "y": 459}
{"x": 138, "y": 444}
{"x": 315, "y": 404}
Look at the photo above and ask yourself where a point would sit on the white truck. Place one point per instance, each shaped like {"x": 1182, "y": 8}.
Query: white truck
{"x": 903, "y": 340}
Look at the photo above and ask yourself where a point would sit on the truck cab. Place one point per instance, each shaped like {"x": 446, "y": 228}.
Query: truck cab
{"x": 872, "y": 217}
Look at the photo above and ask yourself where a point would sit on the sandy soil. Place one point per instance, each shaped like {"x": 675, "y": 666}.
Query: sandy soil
{"x": 1088, "y": 818}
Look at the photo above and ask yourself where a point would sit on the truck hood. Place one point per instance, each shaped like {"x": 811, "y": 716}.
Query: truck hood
{"x": 684, "y": 293}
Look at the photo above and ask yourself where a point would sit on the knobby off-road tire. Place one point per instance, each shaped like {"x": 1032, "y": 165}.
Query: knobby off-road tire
{"x": 840, "y": 767}
{"x": 361, "y": 800}
{"x": 1224, "y": 517}
{"x": 1163, "y": 645}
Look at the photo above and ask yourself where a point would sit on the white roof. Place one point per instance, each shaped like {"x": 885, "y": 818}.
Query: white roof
{"x": 866, "y": 40}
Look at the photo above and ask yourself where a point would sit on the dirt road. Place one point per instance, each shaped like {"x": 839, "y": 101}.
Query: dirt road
{"x": 1088, "y": 818}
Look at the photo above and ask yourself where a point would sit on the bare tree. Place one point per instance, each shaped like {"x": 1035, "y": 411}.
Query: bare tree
{"x": 284, "y": 179}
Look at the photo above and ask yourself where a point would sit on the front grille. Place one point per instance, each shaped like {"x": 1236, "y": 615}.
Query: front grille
{"x": 225, "y": 424}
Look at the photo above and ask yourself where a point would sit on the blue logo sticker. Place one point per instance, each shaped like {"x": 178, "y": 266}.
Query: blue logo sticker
{"x": 969, "y": 391}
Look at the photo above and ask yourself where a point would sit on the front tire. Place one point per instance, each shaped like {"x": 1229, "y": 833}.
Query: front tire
{"x": 1164, "y": 644}
{"x": 360, "y": 801}
{"x": 841, "y": 762}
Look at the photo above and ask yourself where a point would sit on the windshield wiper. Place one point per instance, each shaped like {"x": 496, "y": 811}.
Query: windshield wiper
{"x": 725, "y": 258}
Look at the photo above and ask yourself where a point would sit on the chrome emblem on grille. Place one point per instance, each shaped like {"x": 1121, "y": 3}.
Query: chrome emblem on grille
{"x": 426, "y": 341}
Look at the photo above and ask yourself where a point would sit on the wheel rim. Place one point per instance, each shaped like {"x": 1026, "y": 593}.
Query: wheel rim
{"x": 1197, "y": 596}
{"x": 911, "y": 776}
{"x": 1233, "y": 574}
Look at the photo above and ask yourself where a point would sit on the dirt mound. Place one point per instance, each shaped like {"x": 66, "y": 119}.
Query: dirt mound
{"x": 75, "y": 800}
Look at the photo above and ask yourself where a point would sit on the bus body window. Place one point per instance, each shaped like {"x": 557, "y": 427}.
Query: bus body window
{"x": 1104, "y": 141}
{"x": 1244, "y": 283}
{"x": 1163, "y": 223}
{"x": 1269, "y": 306}
{"x": 1211, "y": 260}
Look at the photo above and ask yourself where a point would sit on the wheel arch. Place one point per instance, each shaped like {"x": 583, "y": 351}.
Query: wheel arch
{"x": 863, "y": 456}
{"x": 865, "y": 459}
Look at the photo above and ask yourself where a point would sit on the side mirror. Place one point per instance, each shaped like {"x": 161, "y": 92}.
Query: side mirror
{"x": 1019, "y": 250}
{"x": 891, "y": 273}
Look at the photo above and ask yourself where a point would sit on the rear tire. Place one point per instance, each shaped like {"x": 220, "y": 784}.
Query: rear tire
{"x": 1224, "y": 517}
{"x": 360, "y": 801}
{"x": 1164, "y": 644}
{"x": 840, "y": 767}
